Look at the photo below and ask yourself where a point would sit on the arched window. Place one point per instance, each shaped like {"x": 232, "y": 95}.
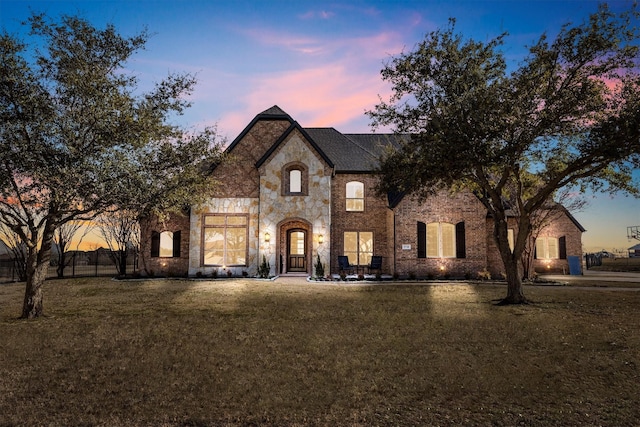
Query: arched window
{"x": 355, "y": 196}
{"x": 295, "y": 179}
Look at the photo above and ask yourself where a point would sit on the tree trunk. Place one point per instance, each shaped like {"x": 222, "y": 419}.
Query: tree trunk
{"x": 123, "y": 262}
{"x": 511, "y": 260}
{"x": 515, "y": 294}
{"x": 62, "y": 263}
{"x": 37, "y": 266}
{"x": 33, "y": 305}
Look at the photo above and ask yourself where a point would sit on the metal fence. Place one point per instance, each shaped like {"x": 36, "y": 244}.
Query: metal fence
{"x": 78, "y": 264}
{"x": 593, "y": 260}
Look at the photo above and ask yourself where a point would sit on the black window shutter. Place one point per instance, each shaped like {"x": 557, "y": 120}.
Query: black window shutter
{"x": 461, "y": 249}
{"x": 535, "y": 249}
{"x": 176, "y": 244}
{"x": 422, "y": 240}
{"x": 562, "y": 247}
{"x": 155, "y": 244}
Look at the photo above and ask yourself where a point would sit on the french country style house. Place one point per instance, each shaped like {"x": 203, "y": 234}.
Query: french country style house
{"x": 289, "y": 195}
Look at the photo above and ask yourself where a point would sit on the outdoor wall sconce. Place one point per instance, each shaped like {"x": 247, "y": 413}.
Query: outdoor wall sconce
{"x": 321, "y": 239}
{"x": 267, "y": 237}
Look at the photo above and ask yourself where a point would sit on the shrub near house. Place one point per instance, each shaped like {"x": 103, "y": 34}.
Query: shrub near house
{"x": 297, "y": 195}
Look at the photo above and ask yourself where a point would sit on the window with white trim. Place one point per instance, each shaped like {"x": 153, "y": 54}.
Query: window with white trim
{"x": 547, "y": 248}
{"x": 355, "y": 196}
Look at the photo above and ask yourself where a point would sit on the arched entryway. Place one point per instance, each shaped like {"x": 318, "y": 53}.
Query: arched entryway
{"x": 294, "y": 251}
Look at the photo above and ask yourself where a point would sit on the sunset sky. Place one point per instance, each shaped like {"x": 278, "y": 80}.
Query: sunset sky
{"x": 319, "y": 61}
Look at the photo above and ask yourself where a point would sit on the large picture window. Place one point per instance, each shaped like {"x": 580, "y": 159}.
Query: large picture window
{"x": 355, "y": 196}
{"x": 224, "y": 240}
{"x": 358, "y": 246}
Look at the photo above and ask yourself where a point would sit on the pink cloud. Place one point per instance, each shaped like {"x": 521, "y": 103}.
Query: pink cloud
{"x": 334, "y": 91}
{"x": 306, "y": 45}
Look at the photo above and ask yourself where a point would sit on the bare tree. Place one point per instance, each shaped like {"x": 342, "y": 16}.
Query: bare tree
{"x": 16, "y": 249}
{"x": 63, "y": 237}
{"x": 121, "y": 231}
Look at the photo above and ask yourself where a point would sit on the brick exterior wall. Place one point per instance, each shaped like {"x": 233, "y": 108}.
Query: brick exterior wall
{"x": 374, "y": 218}
{"x": 320, "y": 209}
{"x": 446, "y": 208}
{"x": 559, "y": 225}
{"x": 238, "y": 176}
{"x": 157, "y": 266}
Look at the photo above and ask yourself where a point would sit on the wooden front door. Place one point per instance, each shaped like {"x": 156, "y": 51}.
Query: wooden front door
{"x": 296, "y": 250}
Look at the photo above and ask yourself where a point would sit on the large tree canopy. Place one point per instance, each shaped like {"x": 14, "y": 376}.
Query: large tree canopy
{"x": 79, "y": 137}
{"x": 568, "y": 115}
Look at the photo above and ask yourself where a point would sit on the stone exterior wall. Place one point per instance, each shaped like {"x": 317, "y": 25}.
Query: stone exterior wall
{"x": 374, "y": 218}
{"x": 448, "y": 208}
{"x": 280, "y": 212}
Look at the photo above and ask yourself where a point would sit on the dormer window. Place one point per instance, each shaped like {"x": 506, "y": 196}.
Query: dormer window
{"x": 295, "y": 179}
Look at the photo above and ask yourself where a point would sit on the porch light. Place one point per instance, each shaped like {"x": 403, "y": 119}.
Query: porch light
{"x": 321, "y": 239}
{"x": 267, "y": 237}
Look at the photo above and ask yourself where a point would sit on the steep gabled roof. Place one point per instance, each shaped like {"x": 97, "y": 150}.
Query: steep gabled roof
{"x": 273, "y": 113}
{"x": 350, "y": 153}
{"x": 295, "y": 126}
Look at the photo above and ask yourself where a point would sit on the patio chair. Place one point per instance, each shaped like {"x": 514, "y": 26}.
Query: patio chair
{"x": 343, "y": 263}
{"x": 375, "y": 264}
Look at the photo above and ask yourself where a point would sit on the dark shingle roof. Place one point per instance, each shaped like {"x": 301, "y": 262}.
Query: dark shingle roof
{"x": 357, "y": 152}
{"x": 273, "y": 111}
{"x": 352, "y": 152}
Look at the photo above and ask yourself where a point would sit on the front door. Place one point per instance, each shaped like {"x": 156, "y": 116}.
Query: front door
{"x": 296, "y": 250}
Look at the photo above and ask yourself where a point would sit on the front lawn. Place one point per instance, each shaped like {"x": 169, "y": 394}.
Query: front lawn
{"x": 243, "y": 352}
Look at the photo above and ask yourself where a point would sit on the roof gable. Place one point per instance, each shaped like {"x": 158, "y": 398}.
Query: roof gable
{"x": 294, "y": 126}
{"x": 274, "y": 113}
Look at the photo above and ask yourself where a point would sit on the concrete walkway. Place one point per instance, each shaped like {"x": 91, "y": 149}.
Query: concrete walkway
{"x": 589, "y": 275}
{"x": 603, "y": 276}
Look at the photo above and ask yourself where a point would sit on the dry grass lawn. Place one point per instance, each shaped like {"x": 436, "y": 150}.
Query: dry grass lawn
{"x": 242, "y": 352}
